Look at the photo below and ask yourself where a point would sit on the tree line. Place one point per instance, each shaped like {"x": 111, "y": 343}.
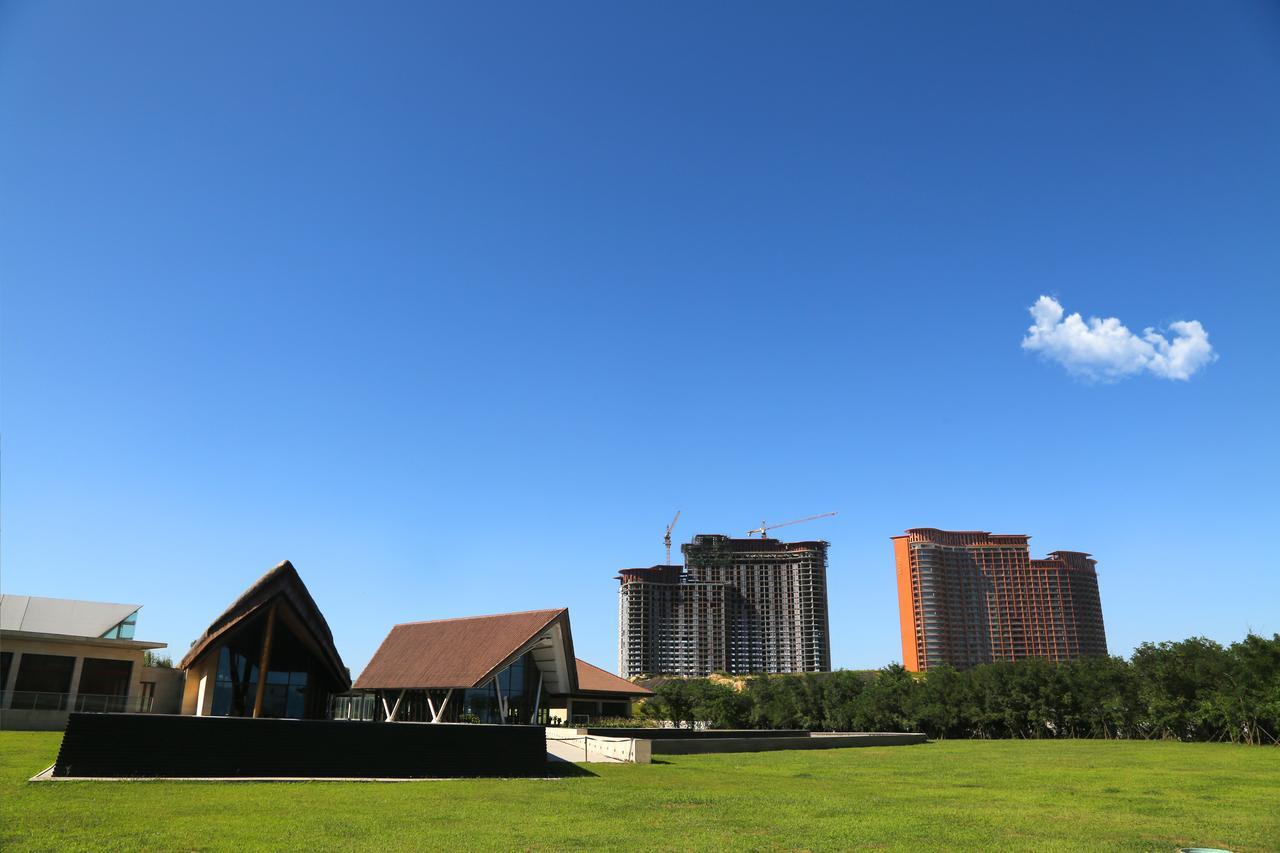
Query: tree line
{"x": 1193, "y": 690}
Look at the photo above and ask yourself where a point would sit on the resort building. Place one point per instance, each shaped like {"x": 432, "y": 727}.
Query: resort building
{"x": 738, "y": 606}
{"x": 972, "y": 597}
{"x": 60, "y": 655}
{"x": 505, "y": 668}
{"x": 275, "y": 628}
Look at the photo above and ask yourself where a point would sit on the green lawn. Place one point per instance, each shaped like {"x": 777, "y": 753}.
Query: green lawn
{"x": 975, "y": 795}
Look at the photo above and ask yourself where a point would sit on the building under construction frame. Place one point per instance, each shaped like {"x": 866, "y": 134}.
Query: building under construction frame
{"x": 737, "y": 606}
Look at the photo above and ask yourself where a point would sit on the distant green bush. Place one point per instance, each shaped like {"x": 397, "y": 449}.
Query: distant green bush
{"x": 626, "y": 723}
{"x": 1193, "y": 690}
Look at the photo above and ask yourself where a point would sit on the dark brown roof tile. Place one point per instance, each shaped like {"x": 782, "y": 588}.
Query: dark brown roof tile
{"x": 453, "y": 652}
{"x": 593, "y": 679}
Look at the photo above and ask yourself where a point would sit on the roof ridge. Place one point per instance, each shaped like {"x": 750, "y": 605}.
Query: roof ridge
{"x": 484, "y": 616}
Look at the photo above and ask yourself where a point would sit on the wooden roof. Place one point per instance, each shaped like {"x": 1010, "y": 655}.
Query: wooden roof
{"x": 593, "y": 679}
{"x": 282, "y": 584}
{"x": 460, "y": 653}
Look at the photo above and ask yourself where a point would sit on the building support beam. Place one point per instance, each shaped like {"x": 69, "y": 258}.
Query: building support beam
{"x": 502, "y": 703}
{"x": 6, "y": 690}
{"x": 395, "y": 709}
{"x": 264, "y": 663}
{"x": 74, "y": 688}
{"x": 537, "y": 700}
{"x": 438, "y": 713}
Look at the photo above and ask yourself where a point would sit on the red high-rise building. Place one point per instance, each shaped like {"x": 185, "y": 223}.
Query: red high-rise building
{"x": 970, "y": 597}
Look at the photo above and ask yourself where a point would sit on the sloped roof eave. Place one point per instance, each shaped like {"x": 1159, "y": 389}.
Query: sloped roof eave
{"x": 595, "y": 680}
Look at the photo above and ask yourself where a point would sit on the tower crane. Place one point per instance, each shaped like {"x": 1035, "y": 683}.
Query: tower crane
{"x": 666, "y": 539}
{"x": 764, "y": 527}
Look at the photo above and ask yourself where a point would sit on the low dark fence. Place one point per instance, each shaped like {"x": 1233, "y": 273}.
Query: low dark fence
{"x": 692, "y": 734}
{"x": 141, "y": 745}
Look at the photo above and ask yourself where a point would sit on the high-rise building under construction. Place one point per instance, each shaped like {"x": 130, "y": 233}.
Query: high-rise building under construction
{"x": 970, "y": 597}
{"x": 740, "y": 606}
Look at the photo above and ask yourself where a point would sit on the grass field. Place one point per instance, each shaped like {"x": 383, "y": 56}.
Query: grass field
{"x": 976, "y": 795}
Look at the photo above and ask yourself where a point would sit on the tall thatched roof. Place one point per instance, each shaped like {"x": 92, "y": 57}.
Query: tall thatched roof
{"x": 281, "y": 584}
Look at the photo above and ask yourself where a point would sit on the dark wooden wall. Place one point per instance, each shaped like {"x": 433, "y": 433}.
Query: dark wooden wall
{"x": 142, "y": 745}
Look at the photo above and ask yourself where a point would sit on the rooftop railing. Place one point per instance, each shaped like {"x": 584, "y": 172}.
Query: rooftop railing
{"x": 33, "y": 700}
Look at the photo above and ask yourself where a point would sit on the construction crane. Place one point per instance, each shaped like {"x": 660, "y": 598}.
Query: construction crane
{"x": 763, "y": 528}
{"x": 666, "y": 539}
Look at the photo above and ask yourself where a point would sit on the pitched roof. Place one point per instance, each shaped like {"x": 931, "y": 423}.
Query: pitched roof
{"x": 281, "y": 583}
{"x": 61, "y": 615}
{"x": 593, "y": 679}
{"x": 458, "y": 652}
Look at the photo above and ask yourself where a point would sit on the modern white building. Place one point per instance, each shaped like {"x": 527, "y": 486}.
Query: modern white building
{"x": 59, "y": 655}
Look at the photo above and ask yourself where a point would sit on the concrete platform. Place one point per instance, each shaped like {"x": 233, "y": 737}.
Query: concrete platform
{"x": 815, "y": 740}
{"x": 46, "y": 775}
{"x": 579, "y": 747}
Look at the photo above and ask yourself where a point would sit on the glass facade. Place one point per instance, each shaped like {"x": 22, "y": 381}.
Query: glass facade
{"x": 354, "y": 706}
{"x": 236, "y": 683}
{"x": 518, "y": 684}
{"x": 583, "y": 711}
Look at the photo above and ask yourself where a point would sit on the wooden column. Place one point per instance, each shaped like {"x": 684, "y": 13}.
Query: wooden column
{"x": 265, "y": 662}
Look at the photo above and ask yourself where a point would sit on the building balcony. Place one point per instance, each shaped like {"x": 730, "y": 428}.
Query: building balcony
{"x": 30, "y": 700}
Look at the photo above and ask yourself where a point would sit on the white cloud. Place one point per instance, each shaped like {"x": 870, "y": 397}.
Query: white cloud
{"x": 1105, "y": 349}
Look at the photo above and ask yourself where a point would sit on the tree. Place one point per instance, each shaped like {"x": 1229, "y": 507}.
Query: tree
{"x": 886, "y": 704}
{"x": 674, "y": 702}
{"x": 1252, "y": 689}
{"x": 940, "y": 703}
{"x": 1191, "y": 690}
{"x": 840, "y": 692}
{"x": 1176, "y": 683}
{"x": 719, "y": 704}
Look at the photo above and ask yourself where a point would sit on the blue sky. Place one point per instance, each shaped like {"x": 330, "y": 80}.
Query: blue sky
{"x": 455, "y": 306}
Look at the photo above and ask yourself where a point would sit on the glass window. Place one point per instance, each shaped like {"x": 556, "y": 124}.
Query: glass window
{"x": 518, "y": 682}
{"x": 480, "y": 702}
{"x": 296, "y": 701}
{"x": 51, "y": 673}
{"x": 43, "y": 681}
{"x": 101, "y": 677}
{"x": 123, "y": 630}
{"x": 232, "y": 696}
